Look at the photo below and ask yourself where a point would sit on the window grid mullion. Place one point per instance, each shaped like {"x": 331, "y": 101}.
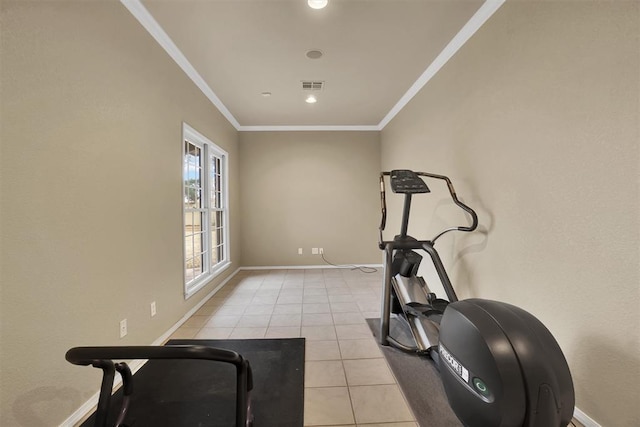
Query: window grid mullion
{"x": 204, "y": 219}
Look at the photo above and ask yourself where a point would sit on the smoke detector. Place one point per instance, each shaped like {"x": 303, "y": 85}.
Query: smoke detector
{"x": 314, "y": 54}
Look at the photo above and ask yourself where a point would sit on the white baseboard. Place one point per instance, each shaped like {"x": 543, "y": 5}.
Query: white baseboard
{"x": 90, "y": 405}
{"x": 584, "y": 418}
{"x": 164, "y": 337}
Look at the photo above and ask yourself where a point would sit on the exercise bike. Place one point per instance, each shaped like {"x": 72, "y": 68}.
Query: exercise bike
{"x": 499, "y": 365}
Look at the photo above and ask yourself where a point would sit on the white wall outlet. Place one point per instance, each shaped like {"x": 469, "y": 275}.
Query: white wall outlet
{"x": 123, "y": 328}
{"x": 153, "y": 308}
{"x": 299, "y": 251}
{"x": 321, "y": 250}
{"x": 314, "y": 251}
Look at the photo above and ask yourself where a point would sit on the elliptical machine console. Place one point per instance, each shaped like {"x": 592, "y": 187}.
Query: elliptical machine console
{"x": 500, "y": 366}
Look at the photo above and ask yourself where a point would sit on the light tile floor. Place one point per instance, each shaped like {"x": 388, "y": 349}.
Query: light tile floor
{"x": 347, "y": 380}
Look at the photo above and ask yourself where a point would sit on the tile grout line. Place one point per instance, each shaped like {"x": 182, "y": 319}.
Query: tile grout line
{"x": 349, "y": 286}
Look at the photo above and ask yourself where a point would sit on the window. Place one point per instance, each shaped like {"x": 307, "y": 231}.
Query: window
{"x": 206, "y": 223}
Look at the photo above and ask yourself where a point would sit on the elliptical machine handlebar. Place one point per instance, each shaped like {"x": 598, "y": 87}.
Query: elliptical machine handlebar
{"x": 452, "y": 192}
{"x": 467, "y": 209}
{"x": 383, "y": 209}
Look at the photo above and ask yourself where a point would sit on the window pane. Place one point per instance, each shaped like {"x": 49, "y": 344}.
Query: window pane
{"x": 220, "y": 236}
{"x": 189, "y": 274}
{"x": 193, "y": 244}
{"x": 192, "y": 174}
{"x": 198, "y": 194}
{"x": 220, "y": 252}
{"x": 197, "y": 222}
{"x": 188, "y": 247}
{"x": 192, "y": 150}
{"x": 195, "y": 271}
{"x": 193, "y": 154}
{"x": 218, "y": 192}
{"x": 219, "y": 215}
{"x": 214, "y": 257}
{"x": 197, "y": 239}
{"x": 214, "y": 238}
{"x": 214, "y": 182}
{"x": 199, "y": 269}
{"x": 188, "y": 223}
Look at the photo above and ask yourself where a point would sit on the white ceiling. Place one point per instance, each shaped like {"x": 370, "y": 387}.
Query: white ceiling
{"x": 376, "y": 54}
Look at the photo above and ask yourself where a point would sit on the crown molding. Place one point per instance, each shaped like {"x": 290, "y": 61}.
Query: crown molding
{"x": 306, "y": 128}
{"x": 477, "y": 20}
{"x": 143, "y": 16}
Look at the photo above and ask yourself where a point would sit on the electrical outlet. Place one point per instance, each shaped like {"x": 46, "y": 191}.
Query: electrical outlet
{"x": 321, "y": 250}
{"x": 299, "y": 251}
{"x": 123, "y": 328}
{"x": 314, "y": 251}
{"x": 153, "y": 308}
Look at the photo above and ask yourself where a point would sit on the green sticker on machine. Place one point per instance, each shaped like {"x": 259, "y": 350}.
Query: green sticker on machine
{"x": 481, "y": 386}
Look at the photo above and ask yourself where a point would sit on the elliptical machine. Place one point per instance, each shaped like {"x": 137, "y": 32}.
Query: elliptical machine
{"x": 499, "y": 365}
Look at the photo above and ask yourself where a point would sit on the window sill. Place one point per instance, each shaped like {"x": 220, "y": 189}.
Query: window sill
{"x": 204, "y": 280}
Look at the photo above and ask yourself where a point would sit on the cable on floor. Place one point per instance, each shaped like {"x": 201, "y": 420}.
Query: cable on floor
{"x": 363, "y": 269}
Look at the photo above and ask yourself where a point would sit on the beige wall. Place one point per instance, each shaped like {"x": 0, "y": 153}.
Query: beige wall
{"x": 309, "y": 189}
{"x": 536, "y": 121}
{"x": 91, "y": 209}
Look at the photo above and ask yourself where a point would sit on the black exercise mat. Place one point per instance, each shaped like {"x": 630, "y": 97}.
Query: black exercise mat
{"x": 202, "y": 393}
{"x": 419, "y": 380}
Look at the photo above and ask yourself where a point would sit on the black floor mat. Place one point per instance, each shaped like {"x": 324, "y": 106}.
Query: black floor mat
{"x": 202, "y": 393}
{"x": 419, "y": 380}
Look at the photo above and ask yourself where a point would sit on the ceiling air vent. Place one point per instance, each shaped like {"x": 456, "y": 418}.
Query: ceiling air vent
{"x": 312, "y": 85}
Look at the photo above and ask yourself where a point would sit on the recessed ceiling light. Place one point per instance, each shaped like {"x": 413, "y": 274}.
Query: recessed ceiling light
{"x": 317, "y": 4}
{"x": 311, "y": 99}
{"x": 266, "y": 94}
{"x": 314, "y": 54}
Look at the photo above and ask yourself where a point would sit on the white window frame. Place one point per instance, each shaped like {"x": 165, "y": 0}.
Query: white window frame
{"x": 209, "y": 270}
